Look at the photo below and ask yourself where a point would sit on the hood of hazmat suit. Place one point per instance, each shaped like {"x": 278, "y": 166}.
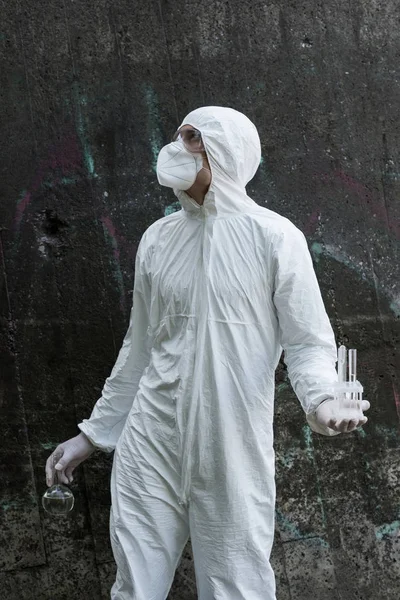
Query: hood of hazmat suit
{"x": 220, "y": 289}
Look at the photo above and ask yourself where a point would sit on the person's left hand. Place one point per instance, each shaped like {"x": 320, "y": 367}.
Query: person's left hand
{"x": 340, "y": 418}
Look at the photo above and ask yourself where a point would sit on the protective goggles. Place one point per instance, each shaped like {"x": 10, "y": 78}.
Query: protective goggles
{"x": 191, "y": 138}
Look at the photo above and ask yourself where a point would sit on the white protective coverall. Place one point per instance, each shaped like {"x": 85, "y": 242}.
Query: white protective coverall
{"x": 219, "y": 290}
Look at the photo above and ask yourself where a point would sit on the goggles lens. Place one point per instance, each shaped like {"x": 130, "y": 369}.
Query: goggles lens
{"x": 191, "y": 138}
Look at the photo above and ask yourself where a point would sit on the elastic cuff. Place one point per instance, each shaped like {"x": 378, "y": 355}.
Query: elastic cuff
{"x": 313, "y": 408}
{"x": 86, "y": 430}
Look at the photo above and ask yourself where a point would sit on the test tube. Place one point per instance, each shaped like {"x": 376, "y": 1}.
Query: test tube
{"x": 352, "y": 365}
{"x": 353, "y": 377}
{"x": 342, "y": 364}
{"x": 342, "y": 367}
{"x": 348, "y": 392}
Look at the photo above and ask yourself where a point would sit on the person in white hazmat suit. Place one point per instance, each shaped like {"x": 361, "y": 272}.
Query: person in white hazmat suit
{"x": 221, "y": 287}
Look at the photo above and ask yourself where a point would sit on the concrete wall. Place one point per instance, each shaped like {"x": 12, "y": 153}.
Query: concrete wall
{"x": 89, "y": 93}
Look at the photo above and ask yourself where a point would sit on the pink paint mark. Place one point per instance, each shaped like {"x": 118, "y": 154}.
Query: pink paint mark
{"x": 396, "y": 399}
{"x": 22, "y": 205}
{"x": 110, "y": 227}
{"x": 64, "y": 159}
{"x": 366, "y": 198}
{"x": 358, "y": 188}
{"x": 312, "y": 223}
{"x": 118, "y": 240}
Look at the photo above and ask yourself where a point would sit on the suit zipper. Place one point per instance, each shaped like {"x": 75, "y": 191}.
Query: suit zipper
{"x": 202, "y": 300}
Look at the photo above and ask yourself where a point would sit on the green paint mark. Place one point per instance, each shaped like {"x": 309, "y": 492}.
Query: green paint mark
{"x": 361, "y": 433}
{"x": 155, "y": 135}
{"x": 8, "y": 505}
{"x": 288, "y": 458}
{"x": 389, "y": 433}
{"x": 294, "y": 531}
{"x": 259, "y": 86}
{"x": 69, "y": 180}
{"x": 309, "y": 442}
{"x": 368, "y": 473}
{"x": 320, "y": 542}
{"x": 387, "y": 530}
{"x": 316, "y": 250}
{"x": 19, "y": 503}
{"x": 286, "y": 524}
{"x": 281, "y": 387}
{"x": 64, "y": 181}
{"x": 262, "y": 160}
{"x": 48, "y": 445}
{"x": 80, "y": 101}
{"x": 311, "y": 456}
{"x": 171, "y": 208}
{"x": 22, "y": 196}
{"x": 2, "y": 37}
{"x": 395, "y": 306}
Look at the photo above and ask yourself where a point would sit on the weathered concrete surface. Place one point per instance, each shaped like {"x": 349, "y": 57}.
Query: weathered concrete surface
{"x": 89, "y": 93}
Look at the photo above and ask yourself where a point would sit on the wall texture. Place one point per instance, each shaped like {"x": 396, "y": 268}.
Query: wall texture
{"x": 89, "y": 93}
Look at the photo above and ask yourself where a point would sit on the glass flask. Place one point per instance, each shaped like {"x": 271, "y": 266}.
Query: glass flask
{"x": 58, "y": 499}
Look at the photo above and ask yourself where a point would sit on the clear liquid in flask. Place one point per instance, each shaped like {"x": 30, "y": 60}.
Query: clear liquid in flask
{"x": 58, "y": 500}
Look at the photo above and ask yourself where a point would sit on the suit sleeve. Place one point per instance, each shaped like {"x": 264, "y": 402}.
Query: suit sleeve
{"x": 110, "y": 412}
{"x": 306, "y": 334}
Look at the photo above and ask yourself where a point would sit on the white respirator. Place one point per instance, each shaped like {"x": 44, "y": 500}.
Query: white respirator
{"x": 177, "y": 167}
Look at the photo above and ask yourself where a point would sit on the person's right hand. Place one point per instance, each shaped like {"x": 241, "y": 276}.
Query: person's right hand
{"x": 66, "y": 457}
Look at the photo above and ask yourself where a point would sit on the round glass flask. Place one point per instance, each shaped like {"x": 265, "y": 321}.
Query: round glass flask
{"x": 58, "y": 499}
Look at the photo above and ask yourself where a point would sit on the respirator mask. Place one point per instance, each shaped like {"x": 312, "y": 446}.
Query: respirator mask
{"x": 179, "y": 162}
